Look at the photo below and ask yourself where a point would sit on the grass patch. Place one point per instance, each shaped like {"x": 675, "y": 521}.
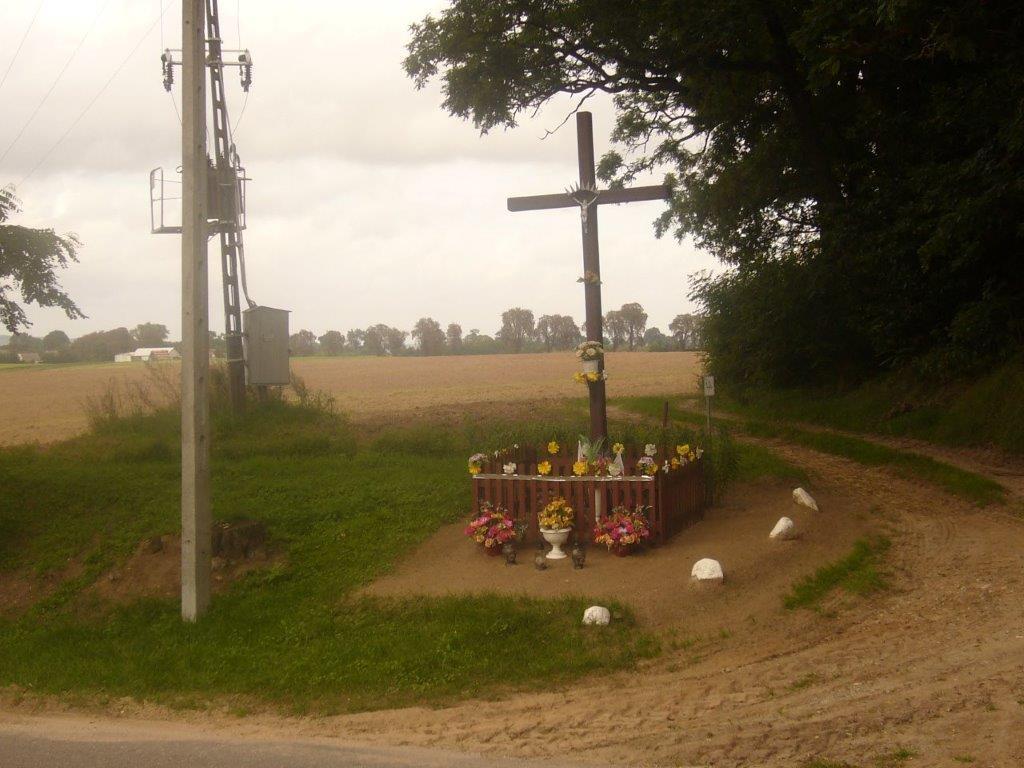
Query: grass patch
{"x": 985, "y": 411}
{"x": 757, "y": 462}
{"x": 959, "y": 482}
{"x": 343, "y": 504}
{"x": 857, "y": 573}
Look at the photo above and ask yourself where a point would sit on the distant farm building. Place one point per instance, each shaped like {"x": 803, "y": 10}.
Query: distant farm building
{"x": 148, "y": 354}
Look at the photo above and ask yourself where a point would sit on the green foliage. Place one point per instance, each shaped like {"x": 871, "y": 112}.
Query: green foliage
{"x": 859, "y": 165}
{"x": 857, "y": 573}
{"x": 29, "y": 260}
{"x": 756, "y": 462}
{"x": 342, "y": 504}
{"x": 428, "y": 335}
{"x": 985, "y": 411}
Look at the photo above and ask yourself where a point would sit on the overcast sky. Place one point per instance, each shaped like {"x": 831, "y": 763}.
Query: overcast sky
{"x": 368, "y": 203}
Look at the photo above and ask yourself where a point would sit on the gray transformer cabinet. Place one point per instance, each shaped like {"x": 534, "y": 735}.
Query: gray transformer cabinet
{"x": 265, "y": 339}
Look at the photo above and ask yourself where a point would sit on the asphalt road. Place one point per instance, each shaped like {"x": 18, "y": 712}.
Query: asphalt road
{"x": 54, "y": 742}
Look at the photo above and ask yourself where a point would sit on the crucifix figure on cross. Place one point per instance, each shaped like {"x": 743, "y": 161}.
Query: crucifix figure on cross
{"x": 586, "y": 196}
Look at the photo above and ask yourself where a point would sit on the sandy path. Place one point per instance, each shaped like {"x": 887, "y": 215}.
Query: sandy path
{"x": 656, "y": 583}
{"x": 1006, "y": 469}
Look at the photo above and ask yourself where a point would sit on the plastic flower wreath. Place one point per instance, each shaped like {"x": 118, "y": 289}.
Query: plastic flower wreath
{"x": 618, "y": 448}
{"x": 558, "y": 514}
{"x": 579, "y": 468}
{"x": 554, "y": 447}
{"x": 493, "y": 527}
{"x": 650, "y": 449}
{"x": 509, "y": 468}
{"x": 544, "y": 468}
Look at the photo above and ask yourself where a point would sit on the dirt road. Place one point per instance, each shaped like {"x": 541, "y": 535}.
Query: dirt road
{"x": 58, "y": 742}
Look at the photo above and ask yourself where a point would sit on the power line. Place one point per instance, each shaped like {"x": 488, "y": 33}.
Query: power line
{"x": 53, "y": 85}
{"x": 23, "y": 37}
{"x": 95, "y": 98}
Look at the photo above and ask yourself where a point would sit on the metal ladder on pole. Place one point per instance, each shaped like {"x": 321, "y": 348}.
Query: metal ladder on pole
{"x": 228, "y": 189}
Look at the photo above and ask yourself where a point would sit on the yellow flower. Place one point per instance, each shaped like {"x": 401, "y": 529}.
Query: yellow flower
{"x": 553, "y": 447}
{"x": 579, "y": 377}
{"x": 593, "y": 376}
{"x": 682, "y": 450}
{"x": 618, "y": 448}
{"x": 544, "y": 468}
{"x": 675, "y": 462}
{"x": 474, "y": 469}
{"x": 579, "y": 468}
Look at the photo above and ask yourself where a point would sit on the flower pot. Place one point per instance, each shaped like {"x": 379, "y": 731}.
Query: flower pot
{"x": 622, "y": 550}
{"x": 590, "y": 366}
{"x": 556, "y": 537}
{"x": 494, "y": 551}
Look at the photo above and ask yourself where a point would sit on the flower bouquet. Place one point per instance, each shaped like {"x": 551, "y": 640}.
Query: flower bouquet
{"x": 556, "y": 521}
{"x": 647, "y": 466}
{"x": 590, "y": 350}
{"x": 476, "y": 463}
{"x": 623, "y": 530}
{"x": 492, "y": 527}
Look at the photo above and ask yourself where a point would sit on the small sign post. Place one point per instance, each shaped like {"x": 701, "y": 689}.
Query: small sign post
{"x": 709, "y": 392}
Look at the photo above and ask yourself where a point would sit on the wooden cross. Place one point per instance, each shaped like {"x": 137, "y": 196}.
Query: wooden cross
{"x": 587, "y": 197}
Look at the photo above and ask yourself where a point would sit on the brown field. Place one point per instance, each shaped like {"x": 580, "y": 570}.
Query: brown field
{"x": 47, "y": 403}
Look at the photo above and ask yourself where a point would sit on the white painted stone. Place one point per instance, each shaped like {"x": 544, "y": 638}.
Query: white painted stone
{"x": 598, "y": 615}
{"x": 707, "y": 571}
{"x": 804, "y": 499}
{"x": 784, "y": 529}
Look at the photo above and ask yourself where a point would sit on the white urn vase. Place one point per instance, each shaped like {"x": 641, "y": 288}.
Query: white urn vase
{"x": 556, "y": 537}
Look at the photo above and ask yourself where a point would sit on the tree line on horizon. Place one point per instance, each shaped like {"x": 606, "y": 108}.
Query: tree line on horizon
{"x": 520, "y": 331}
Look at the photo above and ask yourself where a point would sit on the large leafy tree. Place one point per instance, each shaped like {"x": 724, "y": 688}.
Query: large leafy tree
{"x": 29, "y": 260}
{"x": 856, "y": 164}
{"x": 428, "y": 334}
{"x": 150, "y": 334}
{"x": 332, "y": 343}
{"x": 454, "y": 337}
{"x": 615, "y": 327}
{"x": 635, "y": 321}
{"x": 517, "y": 328}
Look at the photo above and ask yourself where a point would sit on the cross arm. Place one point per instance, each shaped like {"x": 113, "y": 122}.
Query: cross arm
{"x": 634, "y": 194}
{"x": 541, "y": 202}
{"x": 605, "y": 197}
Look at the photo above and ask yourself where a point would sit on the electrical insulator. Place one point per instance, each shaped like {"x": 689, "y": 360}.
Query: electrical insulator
{"x": 245, "y": 70}
{"x": 167, "y": 66}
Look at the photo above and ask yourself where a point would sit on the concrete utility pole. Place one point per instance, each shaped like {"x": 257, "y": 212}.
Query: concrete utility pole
{"x": 196, "y": 534}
